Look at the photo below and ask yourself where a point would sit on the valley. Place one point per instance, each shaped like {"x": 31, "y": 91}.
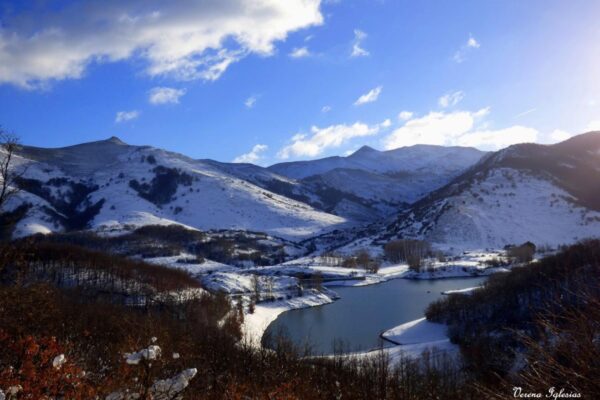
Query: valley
{"x": 319, "y": 256}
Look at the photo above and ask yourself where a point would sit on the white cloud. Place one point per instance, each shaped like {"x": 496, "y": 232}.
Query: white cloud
{"x": 357, "y": 50}
{"x": 300, "y": 52}
{"x": 369, "y": 97}
{"x": 593, "y": 126}
{"x": 326, "y": 109}
{"x": 386, "y": 124}
{"x": 123, "y": 116}
{"x": 322, "y": 139}
{"x": 458, "y": 128}
{"x": 451, "y": 99}
{"x": 250, "y": 101}
{"x": 165, "y": 95}
{"x": 405, "y": 115}
{"x": 559, "y": 135}
{"x": 253, "y": 156}
{"x": 473, "y": 43}
{"x": 183, "y": 40}
{"x": 461, "y": 54}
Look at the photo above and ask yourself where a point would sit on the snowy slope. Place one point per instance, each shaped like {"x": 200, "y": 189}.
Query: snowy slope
{"x": 350, "y": 201}
{"x": 202, "y": 196}
{"x": 544, "y": 194}
{"x": 493, "y": 213}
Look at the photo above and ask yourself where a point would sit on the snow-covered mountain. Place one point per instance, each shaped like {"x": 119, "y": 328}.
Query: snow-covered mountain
{"x": 386, "y": 178}
{"x": 110, "y": 186}
{"x": 454, "y": 196}
{"x": 545, "y": 194}
{"x": 417, "y": 158}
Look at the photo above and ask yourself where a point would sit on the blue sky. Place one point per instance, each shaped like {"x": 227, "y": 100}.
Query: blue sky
{"x": 274, "y": 81}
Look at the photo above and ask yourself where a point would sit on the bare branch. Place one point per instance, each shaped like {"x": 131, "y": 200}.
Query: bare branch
{"x": 9, "y": 145}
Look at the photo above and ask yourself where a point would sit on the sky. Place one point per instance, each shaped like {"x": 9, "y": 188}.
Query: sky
{"x": 268, "y": 81}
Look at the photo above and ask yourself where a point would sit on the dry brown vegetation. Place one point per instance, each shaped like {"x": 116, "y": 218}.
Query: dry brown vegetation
{"x": 556, "y": 327}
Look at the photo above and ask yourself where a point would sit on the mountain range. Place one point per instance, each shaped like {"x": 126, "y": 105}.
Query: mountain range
{"x": 452, "y": 196}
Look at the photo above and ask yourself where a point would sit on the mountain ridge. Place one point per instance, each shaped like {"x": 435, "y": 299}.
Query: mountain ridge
{"x": 443, "y": 194}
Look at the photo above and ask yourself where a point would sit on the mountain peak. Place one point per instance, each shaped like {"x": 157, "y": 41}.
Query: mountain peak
{"x": 115, "y": 140}
{"x": 364, "y": 150}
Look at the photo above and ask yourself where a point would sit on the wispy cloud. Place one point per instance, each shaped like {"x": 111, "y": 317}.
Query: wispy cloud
{"x": 524, "y": 113}
{"x": 369, "y": 97}
{"x": 180, "y": 39}
{"x": 123, "y": 116}
{"x": 165, "y": 95}
{"x": 357, "y": 49}
{"x": 451, "y": 99}
{"x": 300, "y": 52}
{"x": 321, "y": 139}
{"x": 326, "y": 109}
{"x": 253, "y": 156}
{"x": 461, "y": 54}
{"x": 251, "y": 101}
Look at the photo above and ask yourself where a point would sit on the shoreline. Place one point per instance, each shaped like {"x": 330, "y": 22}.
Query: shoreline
{"x": 256, "y": 324}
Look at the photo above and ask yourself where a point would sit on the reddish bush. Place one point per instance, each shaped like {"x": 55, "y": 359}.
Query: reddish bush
{"x": 36, "y": 368}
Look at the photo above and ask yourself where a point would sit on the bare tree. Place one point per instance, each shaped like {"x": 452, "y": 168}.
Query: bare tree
{"x": 523, "y": 253}
{"x": 411, "y": 251}
{"x": 363, "y": 258}
{"x": 270, "y": 283}
{"x": 255, "y": 288}
{"x": 318, "y": 281}
{"x": 9, "y": 144}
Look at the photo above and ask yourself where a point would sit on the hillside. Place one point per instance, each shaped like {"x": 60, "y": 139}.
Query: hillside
{"x": 111, "y": 187}
{"x": 546, "y": 194}
{"x": 539, "y": 321}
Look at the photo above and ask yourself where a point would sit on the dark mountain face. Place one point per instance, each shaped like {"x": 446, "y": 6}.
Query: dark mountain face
{"x": 573, "y": 165}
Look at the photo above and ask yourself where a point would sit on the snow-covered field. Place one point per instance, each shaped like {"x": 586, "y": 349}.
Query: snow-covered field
{"x": 414, "y": 337}
{"x": 411, "y": 340}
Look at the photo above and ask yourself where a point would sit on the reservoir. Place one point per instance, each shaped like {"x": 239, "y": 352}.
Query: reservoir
{"x": 355, "y": 321}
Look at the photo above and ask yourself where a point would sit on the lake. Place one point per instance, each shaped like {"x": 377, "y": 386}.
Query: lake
{"x": 354, "y": 322}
